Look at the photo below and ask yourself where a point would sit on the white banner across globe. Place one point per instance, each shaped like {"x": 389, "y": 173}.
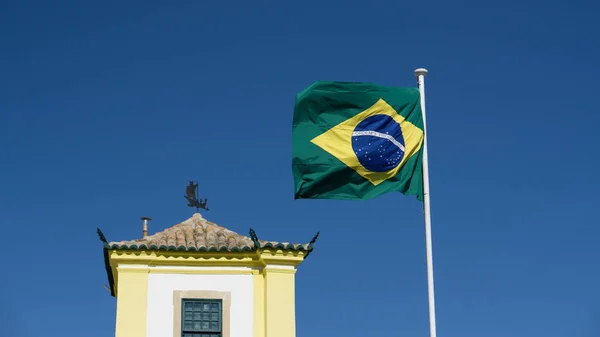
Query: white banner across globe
{"x": 379, "y": 135}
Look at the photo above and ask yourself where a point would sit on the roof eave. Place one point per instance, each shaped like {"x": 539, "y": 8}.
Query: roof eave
{"x": 109, "y": 272}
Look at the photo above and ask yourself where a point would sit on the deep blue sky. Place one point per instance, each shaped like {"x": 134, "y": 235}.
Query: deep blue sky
{"x": 108, "y": 109}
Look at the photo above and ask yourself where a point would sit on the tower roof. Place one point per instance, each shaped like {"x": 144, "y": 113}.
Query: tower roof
{"x": 197, "y": 234}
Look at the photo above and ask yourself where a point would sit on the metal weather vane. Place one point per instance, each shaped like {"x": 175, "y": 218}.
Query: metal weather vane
{"x": 191, "y": 194}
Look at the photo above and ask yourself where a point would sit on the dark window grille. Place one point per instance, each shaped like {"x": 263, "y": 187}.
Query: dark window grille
{"x": 201, "y": 318}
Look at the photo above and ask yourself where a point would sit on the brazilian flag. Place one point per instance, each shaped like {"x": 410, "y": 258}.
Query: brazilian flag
{"x": 357, "y": 141}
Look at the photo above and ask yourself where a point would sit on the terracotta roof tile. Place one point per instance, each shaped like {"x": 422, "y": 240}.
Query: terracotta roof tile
{"x": 198, "y": 234}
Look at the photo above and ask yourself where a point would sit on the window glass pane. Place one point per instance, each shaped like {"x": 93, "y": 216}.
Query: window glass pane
{"x": 206, "y": 316}
{"x": 215, "y": 307}
{"x": 187, "y": 306}
{"x": 188, "y": 316}
{"x": 187, "y": 325}
{"x": 197, "y": 326}
{"x": 205, "y": 326}
{"x": 197, "y": 306}
{"x": 206, "y": 306}
{"x": 214, "y": 316}
{"x": 197, "y": 316}
{"x": 214, "y": 326}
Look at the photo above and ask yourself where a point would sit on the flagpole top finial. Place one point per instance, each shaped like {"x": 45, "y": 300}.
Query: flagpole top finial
{"x": 421, "y": 71}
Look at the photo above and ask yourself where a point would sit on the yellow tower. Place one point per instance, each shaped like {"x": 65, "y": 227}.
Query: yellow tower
{"x": 198, "y": 279}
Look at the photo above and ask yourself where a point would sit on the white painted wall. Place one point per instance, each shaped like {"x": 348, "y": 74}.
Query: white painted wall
{"x": 160, "y": 300}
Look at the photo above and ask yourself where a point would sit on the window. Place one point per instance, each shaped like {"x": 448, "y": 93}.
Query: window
{"x": 201, "y": 317}
{"x": 201, "y": 313}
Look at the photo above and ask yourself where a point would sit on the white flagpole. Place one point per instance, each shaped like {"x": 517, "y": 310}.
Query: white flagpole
{"x": 420, "y": 74}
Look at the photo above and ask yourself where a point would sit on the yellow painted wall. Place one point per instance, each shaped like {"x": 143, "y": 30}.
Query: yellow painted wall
{"x": 273, "y": 278}
{"x": 131, "y": 302}
{"x": 259, "y": 304}
{"x": 280, "y": 305}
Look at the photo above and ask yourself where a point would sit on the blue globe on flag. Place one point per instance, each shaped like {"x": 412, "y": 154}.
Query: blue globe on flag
{"x": 378, "y": 143}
